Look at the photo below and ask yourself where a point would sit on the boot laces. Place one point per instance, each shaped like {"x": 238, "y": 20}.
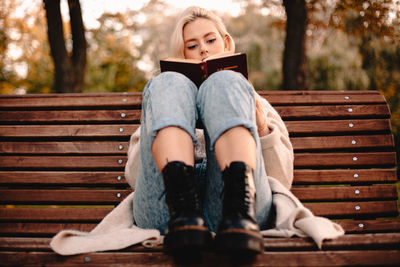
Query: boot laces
{"x": 183, "y": 199}
{"x": 236, "y": 195}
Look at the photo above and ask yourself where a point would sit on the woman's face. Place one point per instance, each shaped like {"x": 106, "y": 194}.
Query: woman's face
{"x": 202, "y": 39}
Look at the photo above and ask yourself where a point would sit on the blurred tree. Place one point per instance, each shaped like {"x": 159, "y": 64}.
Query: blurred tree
{"x": 253, "y": 34}
{"x": 113, "y": 55}
{"x": 294, "y": 67}
{"x": 295, "y": 74}
{"x": 158, "y": 22}
{"x": 6, "y": 75}
{"x": 25, "y": 62}
{"x": 375, "y": 29}
{"x": 70, "y": 66}
{"x": 337, "y": 67}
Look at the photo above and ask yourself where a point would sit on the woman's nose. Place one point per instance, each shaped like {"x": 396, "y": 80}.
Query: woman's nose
{"x": 203, "y": 49}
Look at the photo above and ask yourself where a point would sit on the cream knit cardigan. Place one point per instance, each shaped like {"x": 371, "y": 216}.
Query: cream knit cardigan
{"x": 118, "y": 230}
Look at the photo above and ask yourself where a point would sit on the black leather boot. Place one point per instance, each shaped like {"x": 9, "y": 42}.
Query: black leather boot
{"x": 186, "y": 230}
{"x": 238, "y": 230}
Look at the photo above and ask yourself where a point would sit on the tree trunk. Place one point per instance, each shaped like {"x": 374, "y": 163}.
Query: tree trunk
{"x": 295, "y": 74}
{"x": 69, "y": 67}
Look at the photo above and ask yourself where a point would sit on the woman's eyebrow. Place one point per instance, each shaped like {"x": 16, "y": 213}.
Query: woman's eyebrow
{"x": 207, "y": 34}
{"x": 204, "y": 36}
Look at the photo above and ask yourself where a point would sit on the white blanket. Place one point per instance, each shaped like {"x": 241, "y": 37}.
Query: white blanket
{"x": 117, "y": 230}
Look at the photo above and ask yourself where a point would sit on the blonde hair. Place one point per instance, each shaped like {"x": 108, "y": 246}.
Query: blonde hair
{"x": 190, "y": 15}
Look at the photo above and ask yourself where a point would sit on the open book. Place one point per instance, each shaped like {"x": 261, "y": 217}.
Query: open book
{"x": 198, "y": 70}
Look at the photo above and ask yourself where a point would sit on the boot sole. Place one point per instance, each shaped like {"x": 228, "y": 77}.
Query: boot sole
{"x": 239, "y": 242}
{"x": 187, "y": 241}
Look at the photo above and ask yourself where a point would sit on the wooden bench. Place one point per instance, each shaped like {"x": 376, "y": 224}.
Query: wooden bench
{"x": 62, "y": 159}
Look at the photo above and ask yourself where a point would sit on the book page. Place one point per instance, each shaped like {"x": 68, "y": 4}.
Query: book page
{"x": 183, "y": 60}
{"x": 222, "y": 55}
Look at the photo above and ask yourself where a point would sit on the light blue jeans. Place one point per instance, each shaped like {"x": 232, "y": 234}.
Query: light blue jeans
{"x": 224, "y": 100}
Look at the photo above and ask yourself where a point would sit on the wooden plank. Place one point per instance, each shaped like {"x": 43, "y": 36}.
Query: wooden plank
{"x": 129, "y": 99}
{"x": 114, "y": 130}
{"x": 364, "y": 241}
{"x": 57, "y": 196}
{"x": 50, "y": 228}
{"x": 57, "y": 147}
{"x": 342, "y": 142}
{"x": 114, "y": 196}
{"x": 62, "y": 131}
{"x": 317, "y": 92}
{"x": 73, "y": 116}
{"x": 353, "y": 176}
{"x": 345, "y": 111}
{"x": 63, "y": 162}
{"x": 336, "y": 126}
{"x": 360, "y": 241}
{"x": 302, "y": 160}
{"x": 354, "y": 210}
{"x": 41, "y": 229}
{"x": 370, "y": 226}
{"x": 345, "y": 193}
{"x": 121, "y": 147}
{"x": 54, "y": 214}
{"x": 301, "y": 176}
{"x": 322, "y": 160}
{"x": 91, "y": 178}
{"x": 303, "y": 258}
{"x": 84, "y": 214}
{"x": 93, "y": 116}
{"x": 72, "y": 100}
{"x": 325, "y": 99}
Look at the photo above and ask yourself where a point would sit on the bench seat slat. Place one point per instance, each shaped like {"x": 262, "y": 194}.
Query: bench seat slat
{"x": 324, "y": 99}
{"x": 64, "y": 214}
{"x": 303, "y": 160}
{"x": 79, "y": 147}
{"x": 135, "y": 99}
{"x": 114, "y": 130}
{"x": 93, "y": 116}
{"x": 120, "y": 100}
{"x": 344, "y": 159}
{"x": 352, "y": 176}
{"x": 63, "y": 178}
{"x": 121, "y": 147}
{"x": 95, "y": 178}
{"x": 345, "y": 111}
{"x": 62, "y": 131}
{"x": 40, "y": 228}
{"x": 318, "y": 92}
{"x": 70, "y": 116}
{"x": 84, "y": 214}
{"x": 352, "y": 241}
{"x": 342, "y": 142}
{"x": 50, "y": 229}
{"x": 354, "y": 209}
{"x": 114, "y": 196}
{"x": 368, "y": 226}
{"x": 76, "y": 100}
{"x": 344, "y": 193}
{"x": 63, "y": 162}
{"x": 59, "y": 196}
{"x": 313, "y": 127}
{"x": 290, "y": 258}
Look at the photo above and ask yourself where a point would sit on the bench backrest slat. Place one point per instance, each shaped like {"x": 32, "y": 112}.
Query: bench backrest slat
{"x": 118, "y": 147}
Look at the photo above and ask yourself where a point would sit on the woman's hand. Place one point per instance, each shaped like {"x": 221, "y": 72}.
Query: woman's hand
{"x": 261, "y": 121}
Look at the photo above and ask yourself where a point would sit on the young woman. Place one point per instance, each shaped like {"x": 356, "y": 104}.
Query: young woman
{"x": 189, "y": 181}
